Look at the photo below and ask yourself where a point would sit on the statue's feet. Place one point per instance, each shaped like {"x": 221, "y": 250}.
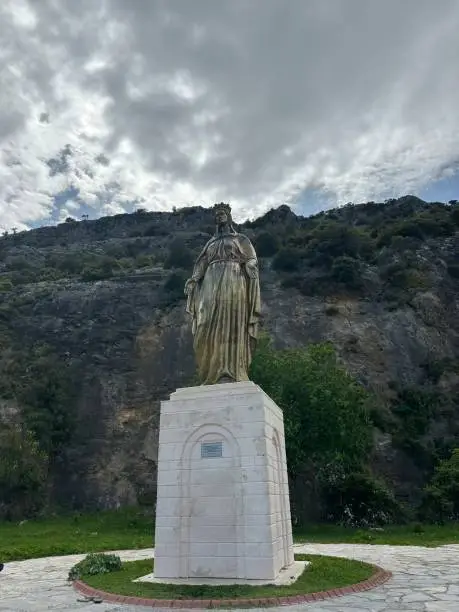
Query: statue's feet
{"x": 225, "y": 379}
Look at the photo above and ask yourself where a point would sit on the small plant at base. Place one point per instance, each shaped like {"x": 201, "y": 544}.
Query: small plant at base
{"x": 95, "y": 563}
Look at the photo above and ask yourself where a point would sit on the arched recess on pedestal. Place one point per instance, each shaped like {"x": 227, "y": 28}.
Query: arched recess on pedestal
{"x": 212, "y": 504}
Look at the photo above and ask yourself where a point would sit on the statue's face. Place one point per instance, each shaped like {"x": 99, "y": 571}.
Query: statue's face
{"x": 221, "y": 217}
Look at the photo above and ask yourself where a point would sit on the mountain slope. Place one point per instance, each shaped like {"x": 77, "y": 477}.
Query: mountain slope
{"x": 93, "y": 332}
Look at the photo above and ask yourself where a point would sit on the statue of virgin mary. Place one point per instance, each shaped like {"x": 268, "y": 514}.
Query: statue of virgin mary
{"x": 223, "y": 299}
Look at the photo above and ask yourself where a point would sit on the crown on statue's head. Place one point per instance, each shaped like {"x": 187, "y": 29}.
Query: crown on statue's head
{"x": 224, "y": 207}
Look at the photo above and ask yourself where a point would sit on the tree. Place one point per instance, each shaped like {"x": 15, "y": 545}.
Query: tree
{"x": 47, "y": 389}
{"x": 327, "y": 425}
{"x": 325, "y": 410}
{"x": 441, "y": 496}
{"x": 23, "y": 472}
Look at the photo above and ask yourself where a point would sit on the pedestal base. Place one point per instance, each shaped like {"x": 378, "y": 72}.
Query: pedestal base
{"x": 287, "y": 576}
{"x": 223, "y": 507}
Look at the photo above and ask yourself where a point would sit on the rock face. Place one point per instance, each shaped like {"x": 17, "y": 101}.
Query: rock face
{"x": 106, "y": 297}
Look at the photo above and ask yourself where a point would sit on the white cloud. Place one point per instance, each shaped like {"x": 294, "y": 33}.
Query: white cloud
{"x": 184, "y": 102}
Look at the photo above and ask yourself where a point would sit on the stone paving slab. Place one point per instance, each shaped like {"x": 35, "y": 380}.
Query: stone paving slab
{"x": 424, "y": 580}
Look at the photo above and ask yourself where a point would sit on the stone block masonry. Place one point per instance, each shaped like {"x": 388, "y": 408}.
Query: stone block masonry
{"x": 223, "y": 506}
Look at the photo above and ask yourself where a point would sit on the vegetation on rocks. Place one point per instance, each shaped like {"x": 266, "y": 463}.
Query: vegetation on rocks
{"x": 93, "y": 335}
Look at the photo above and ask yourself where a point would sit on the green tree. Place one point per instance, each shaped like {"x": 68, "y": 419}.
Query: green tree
{"x": 23, "y": 472}
{"x": 325, "y": 411}
{"x": 328, "y": 433}
{"x": 441, "y": 496}
{"x": 46, "y": 389}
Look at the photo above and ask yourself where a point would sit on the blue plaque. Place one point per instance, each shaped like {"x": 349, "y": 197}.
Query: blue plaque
{"x": 211, "y": 449}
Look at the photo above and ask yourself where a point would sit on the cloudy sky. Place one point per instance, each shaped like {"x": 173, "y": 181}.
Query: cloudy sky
{"x": 109, "y": 105}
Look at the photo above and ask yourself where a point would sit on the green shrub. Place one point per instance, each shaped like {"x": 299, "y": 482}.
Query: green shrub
{"x": 334, "y": 239}
{"x": 5, "y": 284}
{"x": 435, "y": 368}
{"x": 399, "y": 275}
{"x": 414, "y": 407}
{"x": 24, "y": 276}
{"x": 100, "y": 268}
{"x": 287, "y": 260}
{"x": 143, "y": 261}
{"x": 360, "y": 500}
{"x": 95, "y": 563}
{"x": 331, "y": 310}
{"x": 409, "y": 229}
{"x": 175, "y": 285}
{"x": 19, "y": 263}
{"x": 347, "y": 270}
{"x": 154, "y": 229}
{"x": 440, "y": 502}
{"x": 69, "y": 264}
{"x": 266, "y": 244}
{"x": 179, "y": 256}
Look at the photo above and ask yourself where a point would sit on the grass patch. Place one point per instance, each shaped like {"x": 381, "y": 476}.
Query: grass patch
{"x": 101, "y": 531}
{"x": 324, "y": 573}
{"x": 396, "y": 535}
{"x": 131, "y": 528}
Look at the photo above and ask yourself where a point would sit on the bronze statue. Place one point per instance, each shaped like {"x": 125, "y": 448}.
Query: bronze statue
{"x": 224, "y": 302}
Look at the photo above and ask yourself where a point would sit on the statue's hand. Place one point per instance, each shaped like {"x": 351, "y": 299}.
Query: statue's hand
{"x": 189, "y": 286}
{"x": 251, "y": 267}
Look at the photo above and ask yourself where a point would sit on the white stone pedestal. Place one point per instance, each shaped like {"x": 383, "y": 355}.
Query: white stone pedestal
{"x": 222, "y": 500}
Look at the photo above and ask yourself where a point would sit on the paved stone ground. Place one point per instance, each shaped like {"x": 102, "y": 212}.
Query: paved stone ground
{"x": 424, "y": 580}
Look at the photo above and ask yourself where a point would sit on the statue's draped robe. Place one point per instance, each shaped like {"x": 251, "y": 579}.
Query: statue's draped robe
{"x": 225, "y": 306}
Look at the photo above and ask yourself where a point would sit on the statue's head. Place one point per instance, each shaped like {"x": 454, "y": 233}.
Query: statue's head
{"x": 222, "y": 214}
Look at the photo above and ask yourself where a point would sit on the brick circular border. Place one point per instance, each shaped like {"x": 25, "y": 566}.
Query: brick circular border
{"x": 379, "y": 577}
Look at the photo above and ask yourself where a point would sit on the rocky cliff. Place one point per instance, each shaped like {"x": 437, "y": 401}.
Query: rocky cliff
{"x": 93, "y": 332}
